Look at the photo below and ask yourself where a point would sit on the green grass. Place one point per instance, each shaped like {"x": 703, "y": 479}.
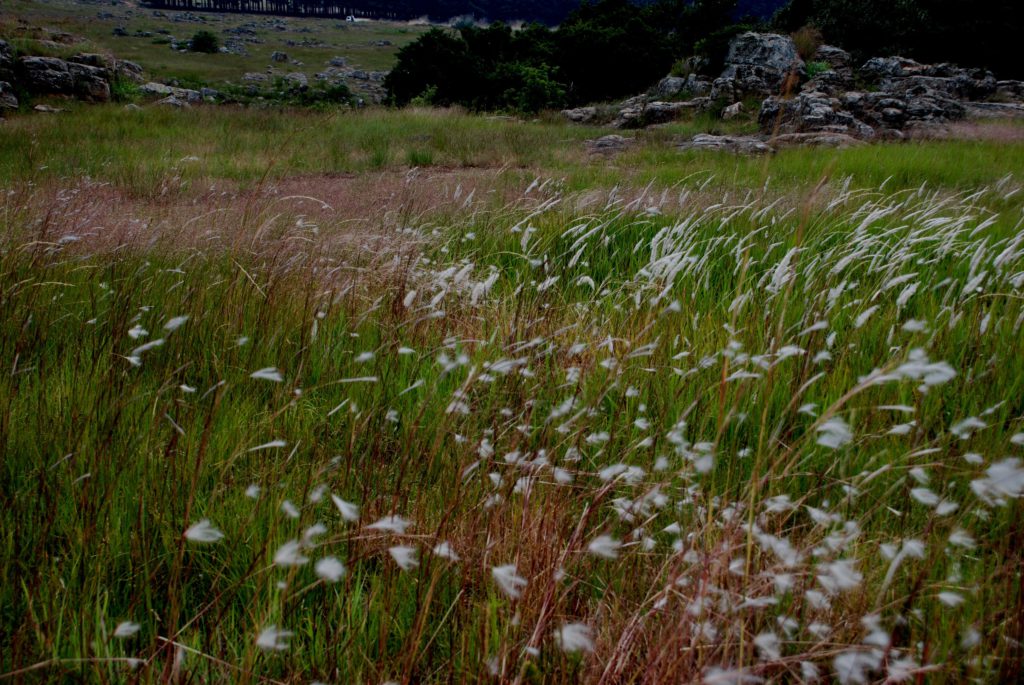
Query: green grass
{"x": 356, "y": 42}
{"x": 471, "y": 351}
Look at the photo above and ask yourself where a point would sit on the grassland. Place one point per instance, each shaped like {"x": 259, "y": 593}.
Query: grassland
{"x": 370, "y": 45}
{"x": 423, "y": 397}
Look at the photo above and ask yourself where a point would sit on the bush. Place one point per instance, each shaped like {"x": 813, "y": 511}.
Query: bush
{"x": 204, "y": 41}
{"x": 807, "y": 40}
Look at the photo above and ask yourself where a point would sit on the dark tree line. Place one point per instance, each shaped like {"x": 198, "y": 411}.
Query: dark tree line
{"x": 983, "y": 33}
{"x": 600, "y": 51}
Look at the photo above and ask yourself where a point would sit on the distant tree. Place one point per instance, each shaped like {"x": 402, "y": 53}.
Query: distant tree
{"x": 983, "y": 34}
{"x": 204, "y": 41}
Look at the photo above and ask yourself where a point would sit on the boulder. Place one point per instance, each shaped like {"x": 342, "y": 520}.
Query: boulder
{"x": 6, "y": 61}
{"x": 128, "y": 71}
{"x": 612, "y": 144}
{"x": 46, "y": 75}
{"x": 995, "y": 110}
{"x": 255, "y": 77}
{"x": 810, "y": 113}
{"x": 296, "y": 80}
{"x": 670, "y": 86}
{"x": 820, "y": 139}
{"x": 836, "y": 58}
{"x": 879, "y": 68}
{"x": 90, "y": 83}
{"x": 154, "y": 89}
{"x": 763, "y": 62}
{"x": 747, "y": 145}
{"x": 278, "y": 56}
{"x": 732, "y": 111}
{"x": 1010, "y": 90}
{"x": 171, "y": 101}
{"x": 580, "y": 115}
{"x": 8, "y": 100}
{"x": 639, "y": 114}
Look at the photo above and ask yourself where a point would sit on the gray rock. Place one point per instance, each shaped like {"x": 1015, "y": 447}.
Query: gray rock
{"x": 171, "y": 101}
{"x": 297, "y": 80}
{"x": 834, "y": 140}
{"x": 670, "y": 86}
{"x": 47, "y": 109}
{"x": 255, "y": 77}
{"x": 810, "y": 113}
{"x": 6, "y": 59}
{"x": 46, "y": 75}
{"x": 836, "y": 58}
{"x": 611, "y": 144}
{"x": 1010, "y": 90}
{"x": 995, "y": 110}
{"x": 580, "y": 115}
{"x": 90, "y": 83}
{"x": 278, "y": 56}
{"x": 746, "y": 145}
{"x": 879, "y": 68}
{"x": 120, "y": 31}
{"x": 8, "y": 100}
{"x": 129, "y": 71}
{"x": 763, "y": 58}
{"x": 732, "y": 111}
{"x": 640, "y": 114}
{"x": 154, "y": 89}
{"x": 209, "y": 93}
{"x": 338, "y": 61}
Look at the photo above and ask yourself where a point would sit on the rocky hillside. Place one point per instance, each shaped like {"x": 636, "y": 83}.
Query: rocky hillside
{"x": 825, "y": 100}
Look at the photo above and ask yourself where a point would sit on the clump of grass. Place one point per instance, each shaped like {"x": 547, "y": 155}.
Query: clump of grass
{"x": 743, "y": 440}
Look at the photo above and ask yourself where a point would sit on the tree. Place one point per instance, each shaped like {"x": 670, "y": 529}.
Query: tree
{"x": 204, "y": 41}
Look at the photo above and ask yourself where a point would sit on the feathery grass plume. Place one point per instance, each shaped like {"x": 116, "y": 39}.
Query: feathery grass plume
{"x": 444, "y": 550}
{"x": 834, "y": 433}
{"x": 349, "y": 511}
{"x": 272, "y": 639}
{"x": 390, "y": 524}
{"x": 290, "y": 554}
{"x": 203, "y": 532}
{"x": 175, "y": 323}
{"x": 269, "y": 373}
{"x": 126, "y": 629}
{"x": 330, "y": 569}
{"x": 404, "y": 556}
{"x": 508, "y": 580}
{"x": 605, "y": 546}
{"x": 575, "y": 637}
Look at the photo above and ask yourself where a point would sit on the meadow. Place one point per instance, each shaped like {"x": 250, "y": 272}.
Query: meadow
{"x": 418, "y": 396}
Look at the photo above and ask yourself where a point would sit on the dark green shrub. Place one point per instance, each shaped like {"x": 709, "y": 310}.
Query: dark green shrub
{"x": 204, "y": 41}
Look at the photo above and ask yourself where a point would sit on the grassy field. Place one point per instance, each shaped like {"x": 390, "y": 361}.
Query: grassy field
{"x": 421, "y": 397}
{"x": 370, "y": 45}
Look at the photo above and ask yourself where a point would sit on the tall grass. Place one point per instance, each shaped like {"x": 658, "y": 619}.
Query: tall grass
{"x": 632, "y": 439}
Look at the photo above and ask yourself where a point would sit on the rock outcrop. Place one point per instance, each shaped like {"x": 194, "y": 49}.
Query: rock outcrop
{"x": 885, "y": 98}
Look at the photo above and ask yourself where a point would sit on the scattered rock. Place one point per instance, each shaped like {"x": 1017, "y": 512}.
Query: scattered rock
{"x": 761, "y": 64}
{"x": 8, "y": 100}
{"x": 995, "y": 110}
{"x": 338, "y": 61}
{"x": 171, "y": 101}
{"x": 640, "y": 114}
{"x": 279, "y": 57}
{"x": 47, "y": 109}
{"x": 46, "y": 75}
{"x": 835, "y": 140}
{"x": 255, "y": 77}
{"x": 746, "y": 145}
{"x": 120, "y": 32}
{"x": 296, "y": 80}
{"x": 154, "y": 89}
{"x": 732, "y": 111}
{"x": 608, "y": 145}
{"x": 580, "y": 115}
